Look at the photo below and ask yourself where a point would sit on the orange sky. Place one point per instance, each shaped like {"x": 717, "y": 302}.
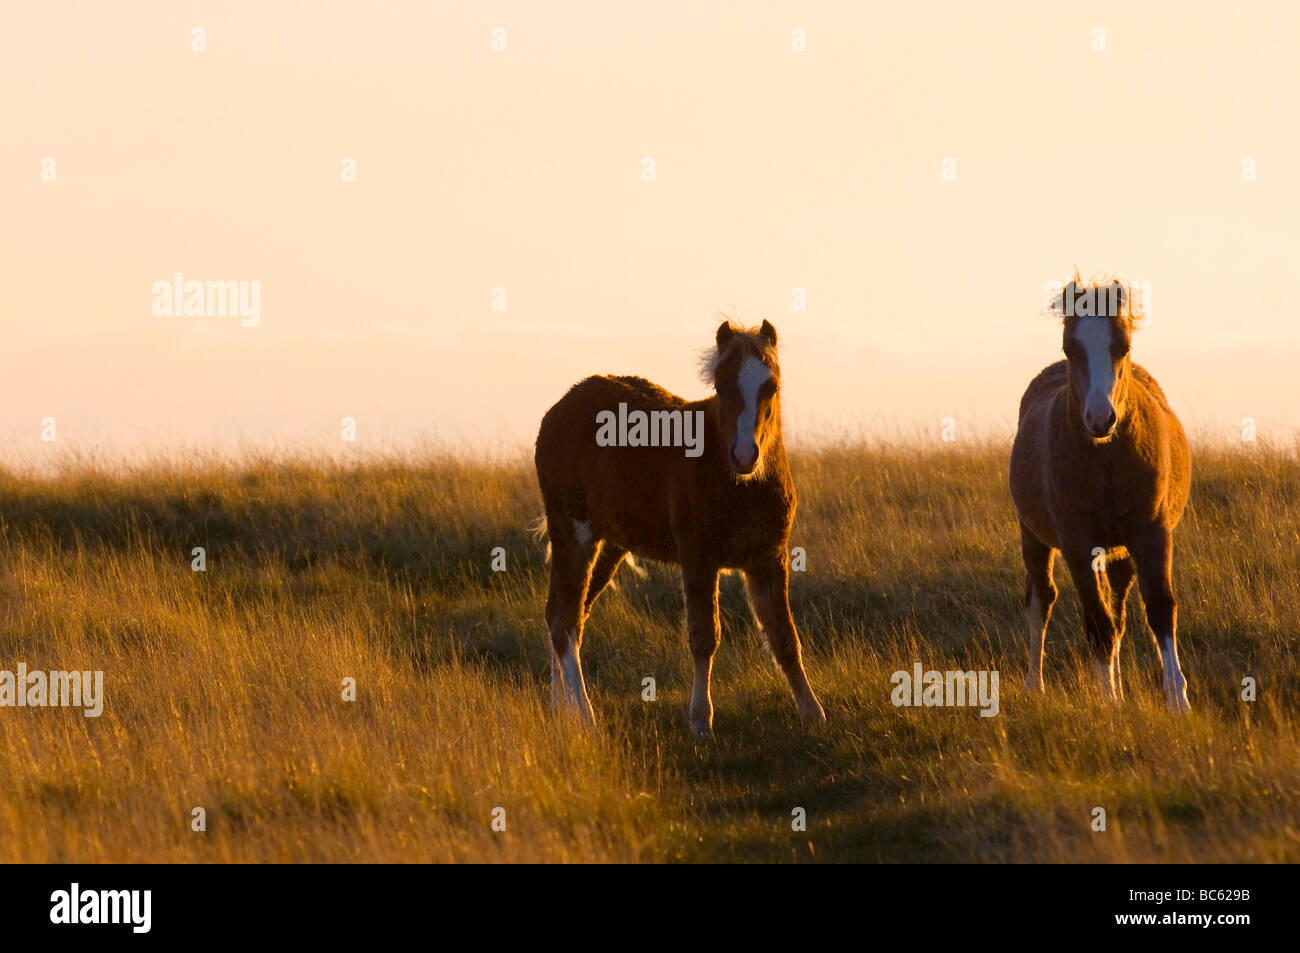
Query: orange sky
{"x": 522, "y": 169}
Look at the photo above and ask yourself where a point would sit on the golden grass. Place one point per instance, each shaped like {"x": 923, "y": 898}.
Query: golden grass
{"x": 224, "y": 688}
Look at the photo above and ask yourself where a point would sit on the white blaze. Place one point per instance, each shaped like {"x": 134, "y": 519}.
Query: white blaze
{"x": 1093, "y": 335}
{"x": 753, "y": 375}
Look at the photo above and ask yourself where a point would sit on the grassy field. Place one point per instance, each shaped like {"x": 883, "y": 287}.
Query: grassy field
{"x": 224, "y": 687}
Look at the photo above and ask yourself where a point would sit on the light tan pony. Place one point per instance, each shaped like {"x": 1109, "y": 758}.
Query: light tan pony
{"x": 1100, "y": 472}
{"x": 726, "y": 502}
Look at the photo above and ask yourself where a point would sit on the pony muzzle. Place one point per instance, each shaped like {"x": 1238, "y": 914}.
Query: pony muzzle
{"x": 743, "y": 457}
{"x": 1099, "y": 417}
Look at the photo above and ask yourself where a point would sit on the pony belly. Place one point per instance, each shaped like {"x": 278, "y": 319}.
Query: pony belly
{"x": 657, "y": 552}
{"x": 640, "y": 525}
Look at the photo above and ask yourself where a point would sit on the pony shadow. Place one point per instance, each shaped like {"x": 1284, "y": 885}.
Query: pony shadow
{"x": 947, "y": 608}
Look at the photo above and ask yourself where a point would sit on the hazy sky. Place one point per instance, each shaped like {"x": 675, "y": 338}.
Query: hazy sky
{"x": 522, "y": 169}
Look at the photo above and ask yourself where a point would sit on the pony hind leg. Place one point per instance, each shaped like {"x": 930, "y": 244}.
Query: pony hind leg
{"x": 607, "y": 563}
{"x": 1040, "y": 597}
{"x": 573, "y": 551}
{"x": 1098, "y": 620}
{"x": 1120, "y": 572}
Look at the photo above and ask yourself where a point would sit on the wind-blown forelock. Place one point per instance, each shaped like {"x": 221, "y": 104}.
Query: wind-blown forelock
{"x": 1099, "y": 282}
{"x": 749, "y": 341}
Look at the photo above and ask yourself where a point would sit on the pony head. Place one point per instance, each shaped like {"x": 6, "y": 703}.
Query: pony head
{"x": 1098, "y": 329}
{"x": 743, "y": 369}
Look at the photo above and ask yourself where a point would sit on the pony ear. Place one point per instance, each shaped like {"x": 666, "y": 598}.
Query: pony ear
{"x": 768, "y": 332}
{"x": 725, "y": 332}
{"x": 1119, "y": 295}
{"x": 1069, "y": 299}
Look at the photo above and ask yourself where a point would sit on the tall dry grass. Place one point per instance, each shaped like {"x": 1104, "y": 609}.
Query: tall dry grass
{"x": 224, "y": 687}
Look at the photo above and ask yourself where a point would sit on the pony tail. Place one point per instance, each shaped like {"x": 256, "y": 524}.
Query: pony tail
{"x": 538, "y": 530}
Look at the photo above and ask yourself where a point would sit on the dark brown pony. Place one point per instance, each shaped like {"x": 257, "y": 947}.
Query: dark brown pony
{"x": 1100, "y": 471}
{"x": 717, "y": 497}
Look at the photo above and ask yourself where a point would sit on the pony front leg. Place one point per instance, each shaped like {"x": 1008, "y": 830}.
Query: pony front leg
{"x": 1154, "y": 555}
{"x": 1040, "y": 596}
{"x": 571, "y": 561}
{"x": 768, "y": 588}
{"x": 701, "y": 586}
{"x": 1098, "y": 621}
